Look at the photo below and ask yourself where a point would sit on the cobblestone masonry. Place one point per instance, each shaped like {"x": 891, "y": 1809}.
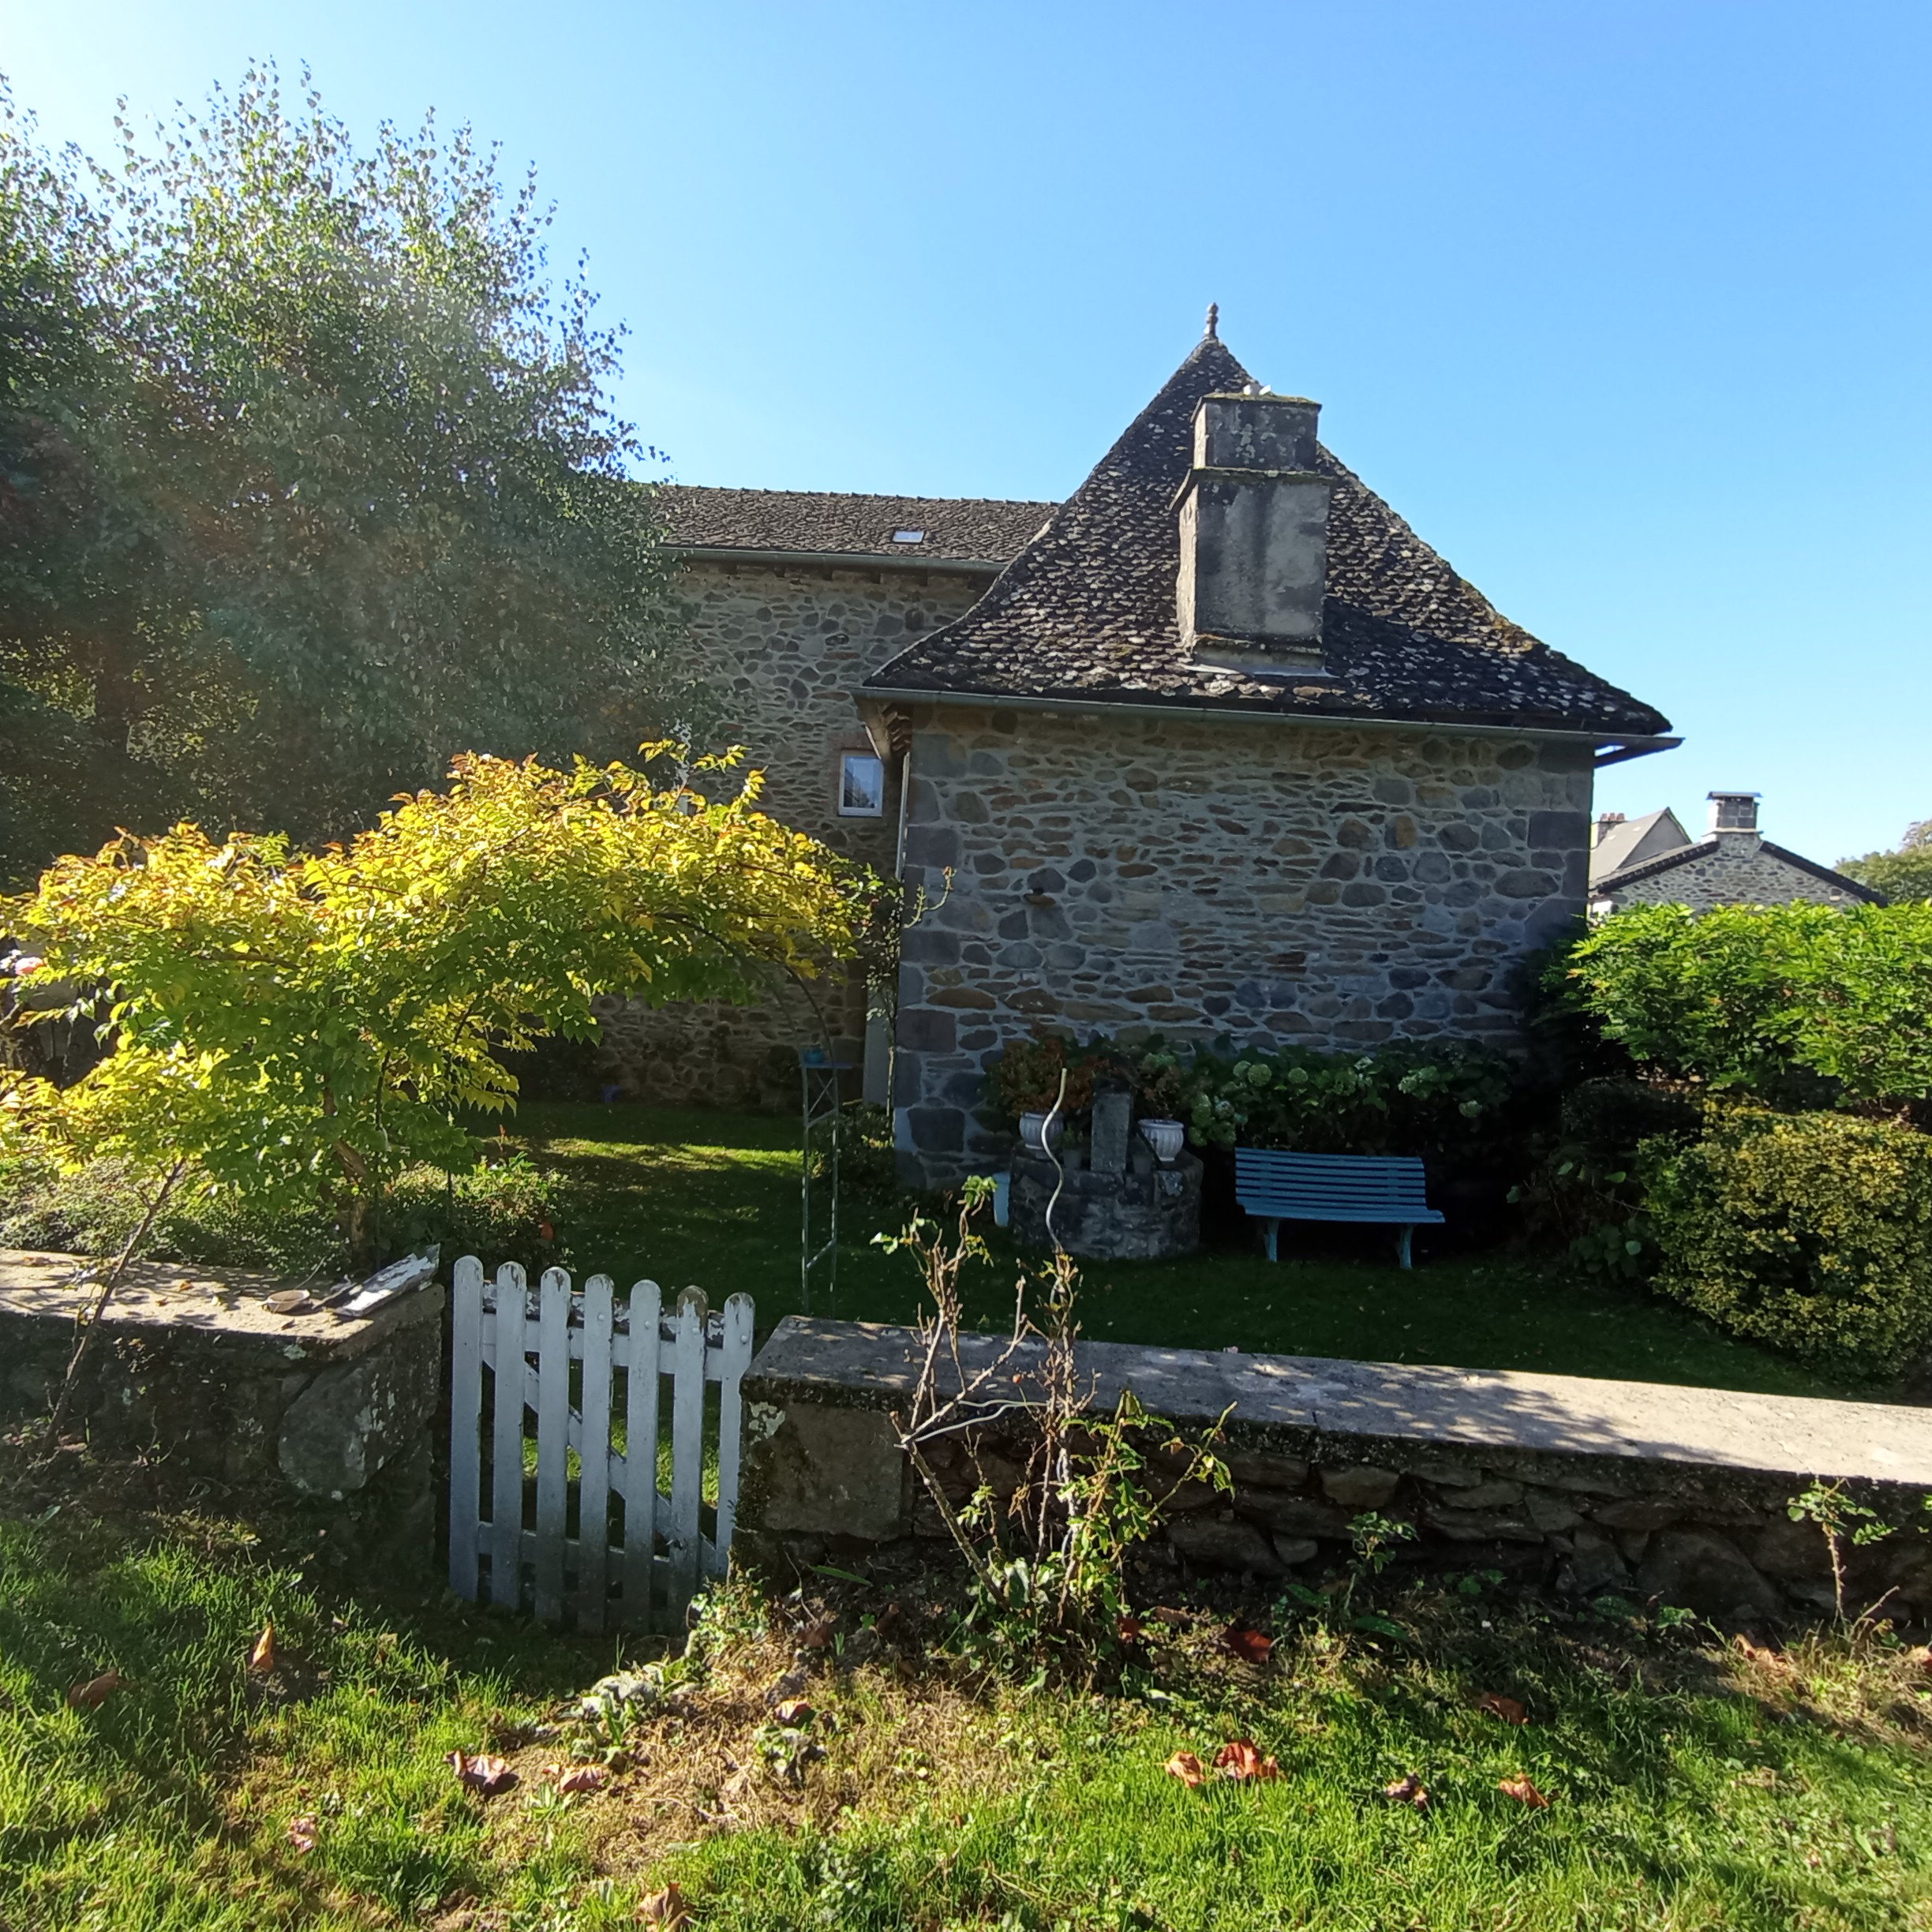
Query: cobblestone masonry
{"x": 1634, "y": 1489}
{"x": 786, "y": 647}
{"x": 1742, "y": 870}
{"x": 1329, "y": 885}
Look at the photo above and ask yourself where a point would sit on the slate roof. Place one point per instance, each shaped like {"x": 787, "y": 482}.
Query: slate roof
{"x": 1704, "y": 848}
{"x": 1086, "y": 612}
{"x": 1618, "y": 843}
{"x": 958, "y": 529}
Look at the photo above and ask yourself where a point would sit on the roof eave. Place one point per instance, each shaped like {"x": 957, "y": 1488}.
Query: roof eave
{"x": 835, "y": 560}
{"x": 1621, "y": 745}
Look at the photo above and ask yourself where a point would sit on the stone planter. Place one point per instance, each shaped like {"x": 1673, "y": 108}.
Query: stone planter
{"x": 1033, "y": 1129}
{"x": 1146, "y": 1213}
{"x": 1165, "y": 1137}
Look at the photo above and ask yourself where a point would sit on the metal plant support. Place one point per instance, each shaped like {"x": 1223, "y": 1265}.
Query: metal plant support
{"x": 819, "y": 1092}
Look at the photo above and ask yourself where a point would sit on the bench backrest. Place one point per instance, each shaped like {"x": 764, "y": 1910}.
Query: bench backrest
{"x": 1330, "y": 1180}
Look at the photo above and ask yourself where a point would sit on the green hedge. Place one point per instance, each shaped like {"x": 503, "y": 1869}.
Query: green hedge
{"x": 1812, "y": 1232}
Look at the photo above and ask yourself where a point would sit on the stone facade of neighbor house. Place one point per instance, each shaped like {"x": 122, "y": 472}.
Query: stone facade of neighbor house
{"x": 790, "y": 599}
{"x": 1196, "y": 875}
{"x": 1227, "y": 748}
{"x": 1734, "y": 864}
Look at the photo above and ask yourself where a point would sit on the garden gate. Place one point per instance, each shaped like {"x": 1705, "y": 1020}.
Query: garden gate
{"x": 556, "y": 1414}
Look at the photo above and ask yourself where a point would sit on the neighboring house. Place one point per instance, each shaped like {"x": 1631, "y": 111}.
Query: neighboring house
{"x": 1218, "y": 745}
{"x": 1653, "y": 861}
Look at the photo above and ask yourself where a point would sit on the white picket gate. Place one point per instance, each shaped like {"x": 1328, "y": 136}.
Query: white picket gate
{"x": 555, "y": 1369}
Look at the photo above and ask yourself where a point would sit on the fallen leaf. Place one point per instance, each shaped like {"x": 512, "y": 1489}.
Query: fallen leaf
{"x": 95, "y": 1691}
{"x": 1507, "y": 1709}
{"x": 816, "y": 1635}
{"x": 303, "y": 1832}
{"x": 1130, "y": 1630}
{"x": 1239, "y": 1760}
{"x": 665, "y": 1908}
{"x": 1252, "y": 1645}
{"x": 1409, "y": 1790}
{"x": 1187, "y": 1768}
{"x": 1523, "y": 1792}
{"x": 262, "y": 1658}
{"x": 569, "y": 1779}
{"x": 792, "y": 1711}
{"x": 481, "y": 1773}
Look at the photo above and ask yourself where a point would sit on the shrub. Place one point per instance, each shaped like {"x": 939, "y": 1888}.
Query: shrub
{"x": 1608, "y": 1120}
{"x": 1399, "y": 1099}
{"x": 1796, "y": 1004}
{"x": 498, "y": 1211}
{"x": 1810, "y": 1231}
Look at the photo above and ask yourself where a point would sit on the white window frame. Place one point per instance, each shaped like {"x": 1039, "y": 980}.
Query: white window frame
{"x": 877, "y": 809}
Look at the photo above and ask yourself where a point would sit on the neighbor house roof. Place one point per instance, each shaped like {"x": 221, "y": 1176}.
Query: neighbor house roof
{"x": 952, "y": 530}
{"x": 1628, "y": 841}
{"x": 1086, "y": 612}
{"x": 1707, "y": 847}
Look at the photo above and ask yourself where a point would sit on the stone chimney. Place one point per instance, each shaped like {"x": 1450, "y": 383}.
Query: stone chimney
{"x": 1254, "y": 537}
{"x": 1734, "y": 822}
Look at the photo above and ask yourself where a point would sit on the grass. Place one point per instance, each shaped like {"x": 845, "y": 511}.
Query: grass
{"x": 1692, "y": 1784}
{"x": 713, "y": 1198}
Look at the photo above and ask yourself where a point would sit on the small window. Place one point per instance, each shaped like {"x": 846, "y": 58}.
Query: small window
{"x": 908, "y": 536}
{"x": 862, "y": 785}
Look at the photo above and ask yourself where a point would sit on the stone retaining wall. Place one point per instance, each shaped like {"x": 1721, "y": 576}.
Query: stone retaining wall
{"x": 1639, "y": 1490}
{"x": 338, "y": 1412}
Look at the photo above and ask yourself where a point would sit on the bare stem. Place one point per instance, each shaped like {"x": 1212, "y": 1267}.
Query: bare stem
{"x": 91, "y": 1327}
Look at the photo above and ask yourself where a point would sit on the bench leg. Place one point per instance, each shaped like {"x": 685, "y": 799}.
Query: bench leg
{"x": 1271, "y": 1231}
{"x": 1402, "y": 1246}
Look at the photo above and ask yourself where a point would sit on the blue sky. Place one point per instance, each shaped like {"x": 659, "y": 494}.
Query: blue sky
{"x": 1623, "y": 306}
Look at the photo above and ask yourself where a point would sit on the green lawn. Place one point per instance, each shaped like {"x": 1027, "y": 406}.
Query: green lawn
{"x": 713, "y": 1198}
{"x": 1691, "y": 1787}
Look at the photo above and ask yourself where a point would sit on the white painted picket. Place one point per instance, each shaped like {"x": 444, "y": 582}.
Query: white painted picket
{"x": 524, "y": 1555}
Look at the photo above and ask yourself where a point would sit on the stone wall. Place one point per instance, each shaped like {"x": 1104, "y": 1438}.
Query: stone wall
{"x": 786, "y": 647}
{"x": 1326, "y": 885}
{"x": 1638, "y": 1489}
{"x": 1742, "y": 870}
{"x": 319, "y": 1408}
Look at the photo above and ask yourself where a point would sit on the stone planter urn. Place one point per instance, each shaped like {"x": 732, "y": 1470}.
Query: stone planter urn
{"x": 1032, "y": 1131}
{"x": 1165, "y": 1137}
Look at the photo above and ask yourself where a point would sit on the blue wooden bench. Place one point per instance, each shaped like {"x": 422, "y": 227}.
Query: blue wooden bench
{"x": 1276, "y": 1187}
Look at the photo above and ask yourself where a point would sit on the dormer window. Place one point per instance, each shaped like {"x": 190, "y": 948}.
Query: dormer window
{"x": 908, "y": 536}
{"x": 862, "y": 785}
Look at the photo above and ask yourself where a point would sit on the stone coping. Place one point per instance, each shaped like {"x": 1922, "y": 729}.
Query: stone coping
{"x": 159, "y": 1299}
{"x": 1361, "y": 1410}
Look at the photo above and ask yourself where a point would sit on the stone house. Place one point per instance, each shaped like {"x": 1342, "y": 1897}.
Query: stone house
{"x": 1653, "y": 861}
{"x": 1218, "y": 745}
{"x": 790, "y": 599}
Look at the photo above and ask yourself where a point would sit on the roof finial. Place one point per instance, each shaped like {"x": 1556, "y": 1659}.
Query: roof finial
{"x": 1214, "y": 317}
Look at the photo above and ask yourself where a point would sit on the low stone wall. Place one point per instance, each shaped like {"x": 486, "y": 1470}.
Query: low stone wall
{"x": 338, "y": 1411}
{"x": 1641, "y": 1489}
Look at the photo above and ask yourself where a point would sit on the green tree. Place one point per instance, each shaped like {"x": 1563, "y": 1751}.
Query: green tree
{"x": 323, "y": 479}
{"x": 1741, "y": 997}
{"x": 1905, "y": 872}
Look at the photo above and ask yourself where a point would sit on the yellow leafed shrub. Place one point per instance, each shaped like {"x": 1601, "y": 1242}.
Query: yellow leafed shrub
{"x": 1810, "y": 1231}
